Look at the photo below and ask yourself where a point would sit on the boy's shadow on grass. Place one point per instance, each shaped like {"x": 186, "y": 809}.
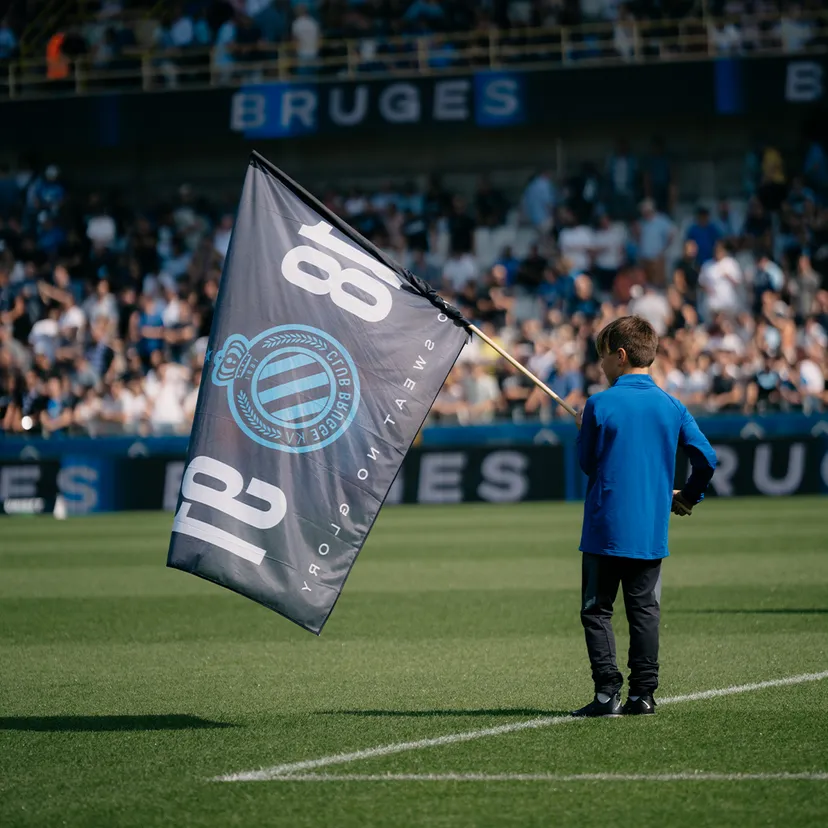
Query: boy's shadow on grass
{"x": 499, "y": 711}
{"x": 81, "y": 724}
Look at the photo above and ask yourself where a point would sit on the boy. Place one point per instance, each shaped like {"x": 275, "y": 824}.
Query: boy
{"x": 627, "y": 441}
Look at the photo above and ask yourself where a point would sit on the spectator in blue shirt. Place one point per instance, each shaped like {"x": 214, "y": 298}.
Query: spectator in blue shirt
{"x": 58, "y": 411}
{"x": 724, "y": 221}
{"x": 704, "y": 233}
{"x": 48, "y": 190}
{"x": 549, "y": 290}
{"x": 509, "y": 263}
{"x": 50, "y": 236}
{"x": 8, "y": 41}
{"x": 150, "y": 328}
{"x": 582, "y": 299}
{"x": 441, "y": 53}
{"x": 800, "y": 199}
{"x": 539, "y": 199}
{"x": 816, "y": 168}
{"x": 567, "y": 381}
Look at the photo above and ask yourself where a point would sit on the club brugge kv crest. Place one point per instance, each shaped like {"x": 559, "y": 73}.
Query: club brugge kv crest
{"x": 292, "y": 388}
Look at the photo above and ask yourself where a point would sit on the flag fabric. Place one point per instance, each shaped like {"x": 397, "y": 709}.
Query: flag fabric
{"x": 323, "y": 361}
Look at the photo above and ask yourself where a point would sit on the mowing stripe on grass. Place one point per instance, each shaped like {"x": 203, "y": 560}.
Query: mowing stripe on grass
{"x": 268, "y": 774}
{"x": 688, "y": 776}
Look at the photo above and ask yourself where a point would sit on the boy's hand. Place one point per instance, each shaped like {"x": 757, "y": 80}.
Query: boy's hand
{"x": 680, "y": 506}
{"x": 579, "y": 419}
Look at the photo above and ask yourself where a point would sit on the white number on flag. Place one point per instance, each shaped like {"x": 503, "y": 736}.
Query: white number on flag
{"x": 224, "y": 500}
{"x": 334, "y": 279}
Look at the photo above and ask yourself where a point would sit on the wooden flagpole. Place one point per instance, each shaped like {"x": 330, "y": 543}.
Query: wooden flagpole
{"x": 510, "y": 359}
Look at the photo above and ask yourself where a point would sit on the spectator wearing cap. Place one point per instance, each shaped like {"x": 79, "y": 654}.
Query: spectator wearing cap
{"x": 656, "y": 234}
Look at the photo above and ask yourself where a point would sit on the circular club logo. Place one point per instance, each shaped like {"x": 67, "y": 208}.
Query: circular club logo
{"x": 293, "y": 388}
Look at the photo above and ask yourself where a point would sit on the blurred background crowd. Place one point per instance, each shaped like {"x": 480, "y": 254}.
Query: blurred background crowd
{"x": 238, "y": 35}
{"x": 106, "y": 308}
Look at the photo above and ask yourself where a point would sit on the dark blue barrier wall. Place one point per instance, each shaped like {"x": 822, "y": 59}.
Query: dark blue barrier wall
{"x": 101, "y": 481}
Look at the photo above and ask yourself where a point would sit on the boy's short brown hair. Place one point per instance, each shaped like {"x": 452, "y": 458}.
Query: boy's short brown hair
{"x": 635, "y": 335}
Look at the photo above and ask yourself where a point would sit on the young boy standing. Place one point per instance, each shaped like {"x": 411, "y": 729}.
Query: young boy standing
{"x": 627, "y": 442}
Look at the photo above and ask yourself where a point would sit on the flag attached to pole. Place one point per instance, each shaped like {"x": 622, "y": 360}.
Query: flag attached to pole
{"x": 324, "y": 359}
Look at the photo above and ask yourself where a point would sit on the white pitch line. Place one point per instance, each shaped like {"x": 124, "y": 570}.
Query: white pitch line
{"x": 688, "y": 776}
{"x": 267, "y": 774}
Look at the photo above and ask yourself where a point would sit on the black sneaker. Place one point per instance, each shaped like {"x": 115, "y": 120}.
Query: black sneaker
{"x": 608, "y": 709}
{"x": 642, "y": 706}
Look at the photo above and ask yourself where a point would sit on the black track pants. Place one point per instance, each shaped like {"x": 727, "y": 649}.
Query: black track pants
{"x": 641, "y": 586}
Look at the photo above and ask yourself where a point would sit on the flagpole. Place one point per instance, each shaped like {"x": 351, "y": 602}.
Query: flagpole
{"x": 510, "y": 359}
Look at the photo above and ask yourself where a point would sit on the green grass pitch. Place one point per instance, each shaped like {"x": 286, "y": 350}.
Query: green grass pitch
{"x": 126, "y": 687}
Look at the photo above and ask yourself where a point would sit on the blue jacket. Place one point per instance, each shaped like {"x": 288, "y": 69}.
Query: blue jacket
{"x": 627, "y": 446}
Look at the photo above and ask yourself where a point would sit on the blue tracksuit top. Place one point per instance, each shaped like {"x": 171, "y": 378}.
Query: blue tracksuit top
{"x": 627, "y": 446}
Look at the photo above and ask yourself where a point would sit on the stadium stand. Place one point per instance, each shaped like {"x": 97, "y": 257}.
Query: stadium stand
{"x": 105, "y": 308}
{"x": 62, "y": 46}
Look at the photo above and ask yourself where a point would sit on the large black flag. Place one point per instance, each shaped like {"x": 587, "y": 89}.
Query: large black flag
{"x": 324, "y": 359}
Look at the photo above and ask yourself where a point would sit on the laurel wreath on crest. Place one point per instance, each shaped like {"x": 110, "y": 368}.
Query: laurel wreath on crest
{"x": 246, "y": 407}
{"x": 296, "y": 339}
{"x": 253, "y": 419}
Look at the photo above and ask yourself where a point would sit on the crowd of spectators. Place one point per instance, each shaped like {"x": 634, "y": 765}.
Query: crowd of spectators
{"x": 228, "y": 39}
{"x": 105, "y": 311}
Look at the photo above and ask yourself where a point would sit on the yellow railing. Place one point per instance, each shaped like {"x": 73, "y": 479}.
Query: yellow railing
{"x": 593, "y": 44}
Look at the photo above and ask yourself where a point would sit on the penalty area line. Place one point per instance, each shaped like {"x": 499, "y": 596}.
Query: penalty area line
{"x": 278, "y": 771}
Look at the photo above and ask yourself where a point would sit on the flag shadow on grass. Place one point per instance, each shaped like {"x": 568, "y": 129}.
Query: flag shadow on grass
{"x": 499, "y": 711}
{"x": 79, "y": 724}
